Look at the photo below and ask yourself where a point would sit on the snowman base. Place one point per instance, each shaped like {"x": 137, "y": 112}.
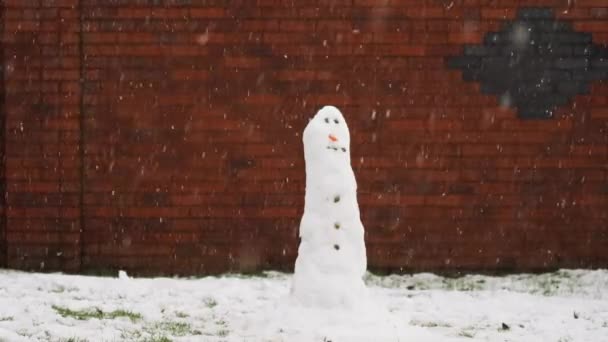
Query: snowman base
{"x": 288, "y": 320}
{"x": 292, "y": 320}
{"x": 329, "y": 291}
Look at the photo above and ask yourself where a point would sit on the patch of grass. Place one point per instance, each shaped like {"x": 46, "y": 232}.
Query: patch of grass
{"x": 210, "y": 302}
{"x": 157, "y": 338}
{"x": 74, "y": 339}
{"x": 58, "y": 289}
{"x": 133, "y": 316}
{"x": 466, "y": 333}
{"x": 426, "y": 324}
{"x": 131, "y": 335}
{"x": 549, "y": 286}
{"x": 175, "y": 328}
{"x": 223, "y": 333}
{"x": 80, "y": 315}
{"x": 145, "y": 334}
{"x": 462, "y": 284}
{"x": 430, "y": 324}
{"x": 160, "y": 331}
{"x": 180, "y": 314}
{"x": 62, "y": 289}
{"x": 564, "y": 274}
{"x": 248, "y": 275}
{"x": 6, "y": 318}
{"x": 97, "y": 313}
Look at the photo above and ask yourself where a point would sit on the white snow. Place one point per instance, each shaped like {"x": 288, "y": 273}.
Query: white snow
{"x": 569, "y": 305}
{"x": 331, "y": 257}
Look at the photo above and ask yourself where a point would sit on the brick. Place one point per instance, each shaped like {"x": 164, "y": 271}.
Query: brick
{"x": 599, "y": 113}
{"x": 465, "y": 38}
{"x": 188, "y": 74}
{"x": 574, "y": 13}
{"x": 498, "y": 13}
{"x": 207, "y": 12}
{"x": 593, "y": 26}
{"x": 592, "y": 3}
{"x": 400, "y": 50}
{"x": 426, "y": 12}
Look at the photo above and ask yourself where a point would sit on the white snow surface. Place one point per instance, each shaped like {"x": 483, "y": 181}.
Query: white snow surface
{"x": 568, "y": 305}
{"x": 331, "y": 257}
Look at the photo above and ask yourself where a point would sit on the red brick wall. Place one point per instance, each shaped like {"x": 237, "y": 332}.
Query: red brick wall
{"x": 41, "y": 135}
{"x": 2, "y": 153}
{"x": 164, "y": 136}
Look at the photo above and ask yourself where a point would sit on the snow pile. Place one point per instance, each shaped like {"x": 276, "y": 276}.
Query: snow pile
{"x": 562, "y": 306}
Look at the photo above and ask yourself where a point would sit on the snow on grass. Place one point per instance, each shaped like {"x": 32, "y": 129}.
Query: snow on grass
{"x": 564, "y": 306}
{"x": 96, "y": 313}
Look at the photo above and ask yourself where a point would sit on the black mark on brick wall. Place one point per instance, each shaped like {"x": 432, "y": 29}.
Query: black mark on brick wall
{"x": 536, "y": 63}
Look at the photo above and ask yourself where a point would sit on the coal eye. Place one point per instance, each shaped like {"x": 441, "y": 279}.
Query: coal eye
{"x": 336, "y": 121}
{"x": 326, "y": 120}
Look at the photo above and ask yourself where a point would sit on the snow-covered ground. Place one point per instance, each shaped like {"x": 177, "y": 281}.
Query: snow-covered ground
{"x": 558, "y": 307}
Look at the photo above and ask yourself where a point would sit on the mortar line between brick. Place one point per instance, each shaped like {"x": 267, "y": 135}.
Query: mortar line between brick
{"x": 81, "y": 139}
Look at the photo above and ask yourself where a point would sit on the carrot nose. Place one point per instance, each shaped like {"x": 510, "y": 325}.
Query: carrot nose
{"x": 333, "y": 138}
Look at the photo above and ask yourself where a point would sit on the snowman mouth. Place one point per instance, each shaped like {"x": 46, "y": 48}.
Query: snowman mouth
{"x": 333, "y": 139}
{"x": 336, "y": 148}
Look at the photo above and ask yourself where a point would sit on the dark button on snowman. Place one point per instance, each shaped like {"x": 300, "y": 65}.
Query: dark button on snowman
{"x": 331, "y": 258}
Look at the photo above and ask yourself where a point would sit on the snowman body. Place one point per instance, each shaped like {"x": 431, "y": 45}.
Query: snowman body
{"x": 331, "y": 257}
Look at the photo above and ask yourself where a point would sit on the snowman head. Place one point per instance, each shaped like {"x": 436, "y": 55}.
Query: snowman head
{"x": 327, "y": 132}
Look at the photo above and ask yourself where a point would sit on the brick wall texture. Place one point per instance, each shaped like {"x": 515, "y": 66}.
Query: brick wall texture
{"x": 164, "y": 136}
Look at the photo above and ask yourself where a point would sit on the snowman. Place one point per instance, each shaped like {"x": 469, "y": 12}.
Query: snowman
{"x": 331, "y": 258}
{"x": 328, "y": 299}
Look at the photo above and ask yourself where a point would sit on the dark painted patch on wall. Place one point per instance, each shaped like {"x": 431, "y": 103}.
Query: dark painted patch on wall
{"x": 535, "y": 63}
